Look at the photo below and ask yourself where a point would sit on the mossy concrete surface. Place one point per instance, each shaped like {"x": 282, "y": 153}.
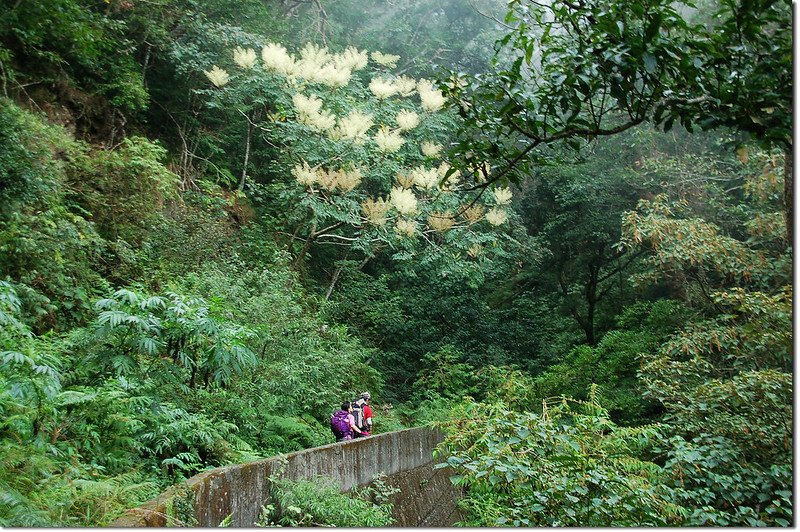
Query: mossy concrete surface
{"x": 405, "y": 456}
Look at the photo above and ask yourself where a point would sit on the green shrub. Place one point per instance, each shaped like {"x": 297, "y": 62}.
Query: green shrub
{"x": 711, "y": 477}
{"x": 614, "y": 362}
{"x": 568, "y": 466}
{"x": 173, "y": 338}
{"x": 33, "y": 158}
{"x": 124, "y": 189}
{"x": 47, "y": 247}
{"x": 443, "y": 374}
{"x": 306, "y": 366}
{"x": 320, "y": 502}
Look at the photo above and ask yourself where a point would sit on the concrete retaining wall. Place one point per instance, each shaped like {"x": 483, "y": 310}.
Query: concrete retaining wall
{"x": 426, "y": 497}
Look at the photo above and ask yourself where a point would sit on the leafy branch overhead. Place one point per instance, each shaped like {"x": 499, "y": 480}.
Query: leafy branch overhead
{"x": 573, "y": 71}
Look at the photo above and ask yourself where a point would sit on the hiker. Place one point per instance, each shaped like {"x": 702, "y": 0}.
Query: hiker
{"x": 362, "y": 413}
{"x": 343, "y": 425}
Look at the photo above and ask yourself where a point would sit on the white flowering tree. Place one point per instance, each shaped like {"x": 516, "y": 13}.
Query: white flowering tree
{"x": 365, "y": 149}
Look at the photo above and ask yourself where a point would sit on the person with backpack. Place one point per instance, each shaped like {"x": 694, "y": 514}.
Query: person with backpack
{"x": 343, "y": 425}
{"x": 362, "y": 413}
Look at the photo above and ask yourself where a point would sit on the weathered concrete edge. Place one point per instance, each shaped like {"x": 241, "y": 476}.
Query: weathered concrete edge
{"x": 240, "y": 489}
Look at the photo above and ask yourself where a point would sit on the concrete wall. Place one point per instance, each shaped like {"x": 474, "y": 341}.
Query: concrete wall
{"x": 426, "y": 498}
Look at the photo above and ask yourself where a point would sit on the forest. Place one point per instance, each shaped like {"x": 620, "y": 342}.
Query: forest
{"x": 558, "y": 231}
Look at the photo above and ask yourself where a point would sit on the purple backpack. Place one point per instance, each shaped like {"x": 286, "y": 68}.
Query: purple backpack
{"x": 339, "y": 425}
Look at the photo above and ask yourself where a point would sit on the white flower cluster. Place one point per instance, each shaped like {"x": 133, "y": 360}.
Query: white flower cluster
{"x": 387, "y": 60}
{"x": 315, "y": 64}
{"x": 354, "y": 126}
{"x": 245, "y": 58}
{"x": 382, "y": 88}
{"x": 441, "y": 221}
{"x": 351, "y": 59}
{"x": 347, "y": 180}
{"x": 502, "y": 196}
{"x": 311, "y": 54}
{"x": 425, "y": 178}
{"x": 405, "y": 227}
{"x": 305, "y": 175}
{"x": 430, "y": 149}
{"x": 404, "y": 180}
{"x": 496, "y": 217}
{"x": 217, "y": 76}
{"x": 407, "y": 120}
{"x": 310, "y": 112}
{"x": 473, "y": 214}
{"x": 376, "y": 210}
{"x": 403, "y": 200}
{"x": 344, "y": 180}
{"x": 276, "y": 58}
{"x": 432, "y": 99}
{"x": 405, "y": 85}
{"x": 388, "y": 141}
{"x": 386, "y": 88}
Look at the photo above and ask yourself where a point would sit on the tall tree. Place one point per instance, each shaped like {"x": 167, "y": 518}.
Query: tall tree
{"x": 575, "y": 209}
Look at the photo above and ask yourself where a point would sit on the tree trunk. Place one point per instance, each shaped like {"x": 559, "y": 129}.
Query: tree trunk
{"x": 592, "y": 298}
{"x": 145, "y": 64}
{"x": 336, "y": 275}
{"x": 306, "y": 246}
{"x": 788, "y": 194}
{"x": 591, "y": 303}
{"x": 246, "y": 156}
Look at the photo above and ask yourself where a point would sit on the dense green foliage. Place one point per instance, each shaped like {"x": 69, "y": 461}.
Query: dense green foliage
{"x": 205, "y": 249}
{"x": 711, "y": 365}
{"x": 320, "y": 502}
{"x": 220, "y": 363}
{"x": 568, "y": 466}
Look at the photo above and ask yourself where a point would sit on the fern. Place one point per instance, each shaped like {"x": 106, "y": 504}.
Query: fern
{"x": 321, "y": 503}
{"x": 98, "y": 502}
